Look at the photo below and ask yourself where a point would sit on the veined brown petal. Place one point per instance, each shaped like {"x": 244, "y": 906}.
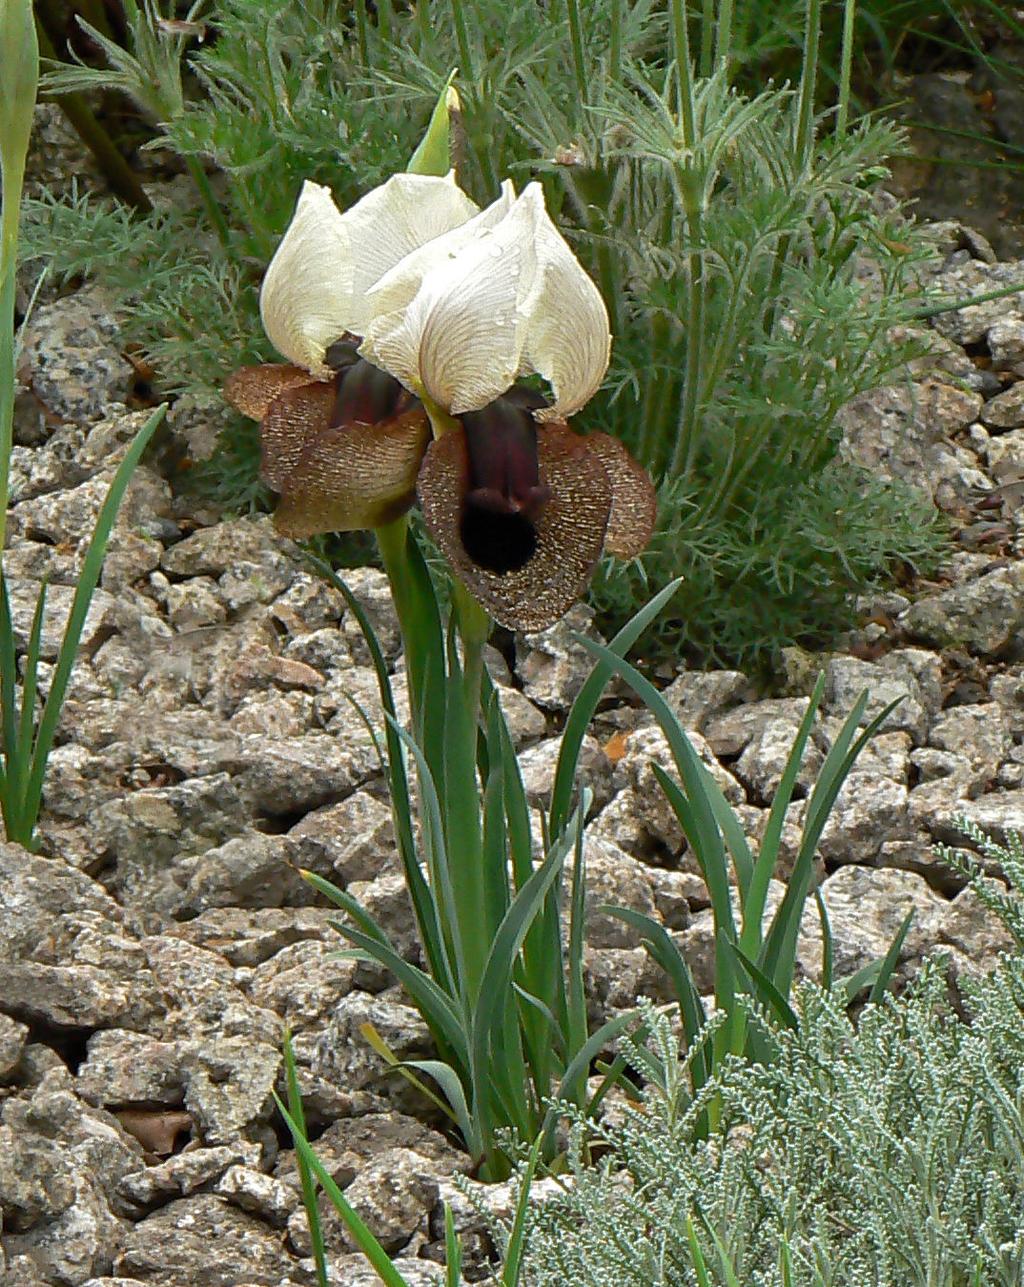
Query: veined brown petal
{"x": 296, "y": 419}
{"x": 354, "y": 476}
{"x": 570, "y": 529}
{"x": 634, "y": 500}
{"x": 251, "y": 389}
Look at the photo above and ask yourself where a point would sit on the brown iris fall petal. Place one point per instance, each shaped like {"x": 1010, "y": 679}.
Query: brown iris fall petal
{"x": 521, "y": 510}
{"x": 343, "y": 453}
{"x": 595, "y": 490}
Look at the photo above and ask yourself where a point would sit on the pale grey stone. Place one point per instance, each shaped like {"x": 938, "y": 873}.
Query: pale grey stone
{"x": 71, "y": 354}
{"x": 203, "y": 995}
{"x": 652, "y": 809}
{"x": 386, "y": 899}
{"x": 1008, "y": 690}
{"x": 60, "y": 1165}
{"x": 393, "y": 1193}
{"x": 900, "y": 431}
{"x": 555, "y": 667}
{"x": 350, "y": 841}
{"x": 1005, "y": 410}
{"x": 343, "y": 1055}
{"x": 867, "y": 811}
{"x": 971, "y": 278}
{"x": 205, "y": 1241}
{"x": 373, "y": 591}
{"x": 730, "y": 733}
{"x": 978, "y": 733}
{"x": 1005, "y": 340}
{"x": 230, "y": 1086}
{"x": 178, "y": 1175}
{"x": 616, "y": 977}
{"x": 252, "y": 870}
{"x": 847, "y": 677}
{"x": 250, "y": 936}
{"x": 124, "y": 1068}
{"x": 13, "y": 1036}
{"x": 696, "y": 696}
{"x": 304, "y": 981}
{"x": 985, "y": 615}
{"x": 866, "y": 908}
{"x": 346, "y": 1146}
{"x": 764, "y": 759}
{"x": 24, "y": 596}
{"x": 538, "y": 763}
{"x": 261, "y": 1195}
{"x": 325, "y": 650}
{"x": 355, "y": 1271}
{"x": 310, "y": 603}
{"x": 613, "y": 877}
{"x": 212, "y": 551}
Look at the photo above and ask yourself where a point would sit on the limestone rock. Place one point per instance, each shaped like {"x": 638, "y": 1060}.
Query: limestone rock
{"x": 205, "y": 1241}
{"x": 985, "y": 615}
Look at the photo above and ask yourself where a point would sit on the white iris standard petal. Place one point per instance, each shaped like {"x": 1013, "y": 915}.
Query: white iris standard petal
{"x": 444, "y": 320}
{"x": 315, "y": 287}
{"x": 568, "y": 340}
{"x": 498, "y": 297}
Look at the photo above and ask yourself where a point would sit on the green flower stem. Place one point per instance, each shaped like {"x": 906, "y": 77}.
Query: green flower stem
{"x": 213, "y": 211}
{"x": 19, "y": 51}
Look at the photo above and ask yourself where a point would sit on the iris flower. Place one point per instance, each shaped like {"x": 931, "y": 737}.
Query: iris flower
{"x": 415, "y": 313}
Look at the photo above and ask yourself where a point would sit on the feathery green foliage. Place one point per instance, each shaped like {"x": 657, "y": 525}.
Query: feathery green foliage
{"x": 886, "y": 1154}
{"x": 699, "y": 207}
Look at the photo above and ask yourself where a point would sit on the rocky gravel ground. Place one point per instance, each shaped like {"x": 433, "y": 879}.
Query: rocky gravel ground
{"x": 151, "y": 954}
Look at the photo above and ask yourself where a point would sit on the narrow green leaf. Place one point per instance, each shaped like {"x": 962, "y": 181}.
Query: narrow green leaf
{"x": 582, "y": 710}
{"x": 891, "y": 960}
{"x": 306, "y": 1179}
{"x": 361, "y": 1234}
{"x": 696, "y": 1255}
{"x": 827, "y": 943}
{"x": 92, "y": 565}
{"x": 663, "y": 950}
{"x": 517, "y": 1235}
{"x": 452, "y": 1251}
{"x": 761, "y": 987}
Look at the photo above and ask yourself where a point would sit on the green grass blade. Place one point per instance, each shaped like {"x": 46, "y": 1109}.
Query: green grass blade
{"x": 761, "y": 987}
{"x": 88, "y": 578}
{"x": 767, "y": 860}
{"x": 30, "y": 682}
{"x": 517, "y": 1235}
{"x": 779, "y": 953}
{"x": 575, "y": 995}
{"x": 890, "y": 960}
{"x": 361, "y": 1234}
{"x": 827, "y": 943}
{"x": 663, "y": 950}
{"x": 575, "y": 1075}
{"x": 452, "y": 1251}
{"x": 700, "y": 1267}
{"x": 306, "y": 1179}
{"x": 435, "y": 1005}
{"x": 582, "y": 710}
{"x": 13, "y": 768}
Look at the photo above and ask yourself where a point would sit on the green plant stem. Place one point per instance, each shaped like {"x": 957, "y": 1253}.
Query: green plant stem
{"x": 474, "y": 630}
{"x": 723, "y": 34}
{"x": 115, "y": 168}
{"x": 615, "y": 43}
{"x": 684, "y": 71}
{"x": 213, "y": 211}
{"x": 462, "y": 41}
{"x": 808, "y": 84}
{"x": 846, "y": 65}
{"x": 14, "y": 174}
{"x": 707, "y": 37}
{"x": 579, "y": 62}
